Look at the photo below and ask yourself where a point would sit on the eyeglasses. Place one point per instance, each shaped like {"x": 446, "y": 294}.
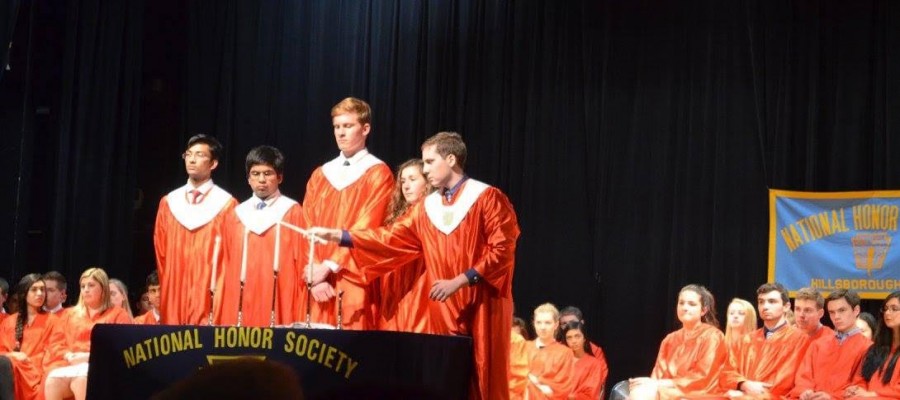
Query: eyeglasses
{"x": 892, "y": 309}
{"x": 199, "y": 155}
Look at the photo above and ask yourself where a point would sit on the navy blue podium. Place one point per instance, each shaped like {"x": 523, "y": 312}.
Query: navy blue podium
{"x": 136, "y": 361}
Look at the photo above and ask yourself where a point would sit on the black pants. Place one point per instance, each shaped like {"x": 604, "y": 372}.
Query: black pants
{"x": 7, "y": 390}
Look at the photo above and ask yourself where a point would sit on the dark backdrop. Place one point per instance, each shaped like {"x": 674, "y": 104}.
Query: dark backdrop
{"x": 636, "y": 139}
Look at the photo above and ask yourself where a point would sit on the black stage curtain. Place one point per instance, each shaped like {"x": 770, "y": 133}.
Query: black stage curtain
{"x": 96, "y": 151}
{"x": 636, "y": 139}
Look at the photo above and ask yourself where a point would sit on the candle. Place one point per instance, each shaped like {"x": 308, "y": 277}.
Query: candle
{"x": 215, "y": 264}
{"x": 244, "y": 256}
{"x": 312, "y": 249}
{"x": 277, "y": 245}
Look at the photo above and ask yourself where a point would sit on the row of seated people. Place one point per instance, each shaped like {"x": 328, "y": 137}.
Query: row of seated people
{"x": 44, "y": 350}
{"x": 798, "y": 360}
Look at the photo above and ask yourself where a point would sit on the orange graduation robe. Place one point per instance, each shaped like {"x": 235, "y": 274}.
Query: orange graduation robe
{"x": 773, "y": 360}
{"x": 184, "y": 238}
{"x": 554, "y": 366}
{"x": 692, "y": 359}
{"x": 147, "y": 318}
{"x": 73, "y": 333}
{"x": 829, "y": 366}
{"x": 476, "y": 229}
{"x": 347, "y": 197}
{"x": 519, "y": 357}
{"x": 890, "y": 390}
{"x": 400, "y": 298}
{"x": 590, "y": 376}
{"x": 28, "y": 374}
{"x": 258, "y": 229}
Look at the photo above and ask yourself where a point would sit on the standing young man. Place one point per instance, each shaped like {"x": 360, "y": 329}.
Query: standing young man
{"x": 763, "y": 363}
{"x": 466, "y": 232}
{"x": 255, "y": 244}
{"x": 351, "y": 191}
{"x": 187, "y": 223}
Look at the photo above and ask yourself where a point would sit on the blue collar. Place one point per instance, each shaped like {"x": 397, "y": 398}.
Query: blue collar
{"x": 448, "y": 194}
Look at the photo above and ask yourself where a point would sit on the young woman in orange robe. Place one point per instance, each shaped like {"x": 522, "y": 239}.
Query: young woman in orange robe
{"x": 590, "y": 372}
{"x": 401, "y": 306}
{"x": 24, "y": 337}
{"x": 879, "y": 367}
{"x": 691, "y": 358}
{"x": 71, "y": 340}
{"x": 741, "y": 320}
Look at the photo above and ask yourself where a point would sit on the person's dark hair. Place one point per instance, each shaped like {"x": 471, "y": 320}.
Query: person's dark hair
{"x": 56, "y": 277}
{"x": 707, "y": 301}
{"x": 578, "y": 326}
{"x": 879, "y": 357}
{"x": 849, "y": 295}
{"x": 265, "y": 155}
{"x": 241, "y": 378}
{"x": 152, "y": 279}
{"x": 869, "y": 319}
{"x": 768, "y": 287}
{"x": 572, "y": 310}
{"x": 215, "y": 147}
{"x": 22, "y": 289}
{"x": 521, "y": 324}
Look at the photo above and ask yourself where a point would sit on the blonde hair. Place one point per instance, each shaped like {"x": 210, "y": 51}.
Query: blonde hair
{"x": 352, "y": 105}
{"x": 124, "y": 289}
{"x": 749, "y": 319}
{"x": 100, "y": 276}
{"x": 547, "y": 308}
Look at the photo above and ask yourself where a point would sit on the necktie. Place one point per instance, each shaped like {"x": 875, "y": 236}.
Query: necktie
{"x": 195, "y": 195}
{"x": 261, "y": 205}
{"x": 346, "y": 163}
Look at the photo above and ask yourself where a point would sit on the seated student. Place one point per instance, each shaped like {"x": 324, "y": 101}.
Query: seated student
{"x": 764, "y": 362}
{"x": 879, "y": 368}
{"x": 691, "y": 358}
{"x": 551, "y": 364}
{"x": 866, "y": 324}
{"x": 741, "y": 321}
{"x": 572, "y": 313}
{"x": 142, "y": 304}
{"x": 809, "y": 308}
{"x": 24, "y": 337}
{"x": 829, "y": 364}
{"x": 118, "y": 295}
{"x": 70, "y": 343}
{"x": 151, "y": 317}
{"x": 519, "y": 326}
{"x": 55, "y": 292}
{"x": 590, "y": 373}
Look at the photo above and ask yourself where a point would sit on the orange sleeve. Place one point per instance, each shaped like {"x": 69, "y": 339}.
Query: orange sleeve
{"x": 381, "y": 250}
{"x": 553, "y": 366}
{"x": 159, "y": 235}
{"x": 501, "y": 230}
{"x": 8, "y": 334}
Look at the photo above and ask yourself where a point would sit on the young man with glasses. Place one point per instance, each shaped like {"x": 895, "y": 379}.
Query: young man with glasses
{"x": 187, "y": 222}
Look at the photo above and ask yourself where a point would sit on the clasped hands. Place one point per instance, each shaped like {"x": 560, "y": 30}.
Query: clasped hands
{"x": 441, "y": 289}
